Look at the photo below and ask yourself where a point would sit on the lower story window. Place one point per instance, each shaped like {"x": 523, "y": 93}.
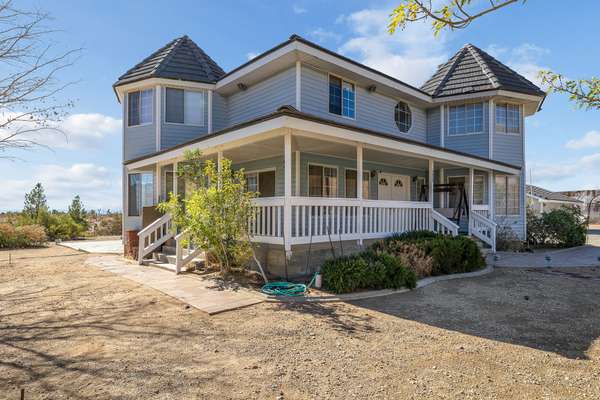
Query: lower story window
{"x": 322, "y": 181}
{"x": 140, "y": 192}
{"x": 478, "y": 189}
{"x": 350, "y": 182}
{"x": 262, "y": 182}
{"x": 507, "y": 195}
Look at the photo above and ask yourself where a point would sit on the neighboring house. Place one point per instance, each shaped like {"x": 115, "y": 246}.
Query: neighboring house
{"x": 335, "y": 148}
{"x": 587, "y": 196}
{"x": 540, "y": 200}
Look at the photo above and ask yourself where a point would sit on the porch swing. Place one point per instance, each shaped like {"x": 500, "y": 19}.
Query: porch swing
{"x": 457, "y": 189}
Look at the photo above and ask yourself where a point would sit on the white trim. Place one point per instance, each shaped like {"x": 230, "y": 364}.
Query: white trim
{"x": 487, "y": 94}
{"x": 210, "y": 111}
{"x": 287, "y": 207}
{"x": 470, "y": 194}
{"x": 206, "y": 101}
{"x": 158, "y": 94}
{"x": 297, "y": 170}
{"x": 351, "y": 82}
{"x": 272, "y": 128}
{"x": 431, "y": 179}
{"x": 121, "y": 90}
{"x": 298, "y": 86}
{"x": 491, "y": 127}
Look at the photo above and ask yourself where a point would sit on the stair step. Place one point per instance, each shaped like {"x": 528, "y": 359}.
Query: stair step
{"x": 171, "y": 250}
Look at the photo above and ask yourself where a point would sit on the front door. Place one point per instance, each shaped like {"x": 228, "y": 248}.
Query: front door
{"x": 393, "y": 187}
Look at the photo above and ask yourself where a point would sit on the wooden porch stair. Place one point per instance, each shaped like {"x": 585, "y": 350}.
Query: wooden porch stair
{"x": 165, "y": 257}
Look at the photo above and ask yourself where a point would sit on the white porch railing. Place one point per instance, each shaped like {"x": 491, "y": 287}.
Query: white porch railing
{"x": 443, "y": 225}
{"x": 481, "y": 209}
{"x": 267, "y": 224}
{"x": 185, "y": 250}
{"x": 484, "y": 229}
{"x": 154, "y": 235}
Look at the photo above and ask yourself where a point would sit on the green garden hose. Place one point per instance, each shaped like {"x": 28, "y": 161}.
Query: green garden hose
{"x": 287, "y": 289}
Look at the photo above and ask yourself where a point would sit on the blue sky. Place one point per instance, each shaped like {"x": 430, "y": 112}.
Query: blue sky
{"x": 563, "y": 143}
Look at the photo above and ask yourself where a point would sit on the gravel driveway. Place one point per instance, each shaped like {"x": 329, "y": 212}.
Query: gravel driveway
{"x": 76, "y": 332}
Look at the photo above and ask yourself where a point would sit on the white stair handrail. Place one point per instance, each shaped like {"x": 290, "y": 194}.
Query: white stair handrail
{"x": 444, "y": 225}
{"x": 181, "y": 259}
{"x": 484, "y": 229}
{"x": 154, "y": 235}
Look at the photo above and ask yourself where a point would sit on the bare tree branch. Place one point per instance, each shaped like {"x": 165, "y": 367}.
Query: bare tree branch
{"x": 29, "y": 80}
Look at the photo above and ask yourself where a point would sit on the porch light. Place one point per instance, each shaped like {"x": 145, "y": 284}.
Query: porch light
{"x": 242, "y": 86}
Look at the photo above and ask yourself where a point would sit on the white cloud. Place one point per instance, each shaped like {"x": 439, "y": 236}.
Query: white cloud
{"x": 525, "y": 59}
{"x": 589, "y": 140}
{"x": 98, "y": 186}
{"x": 77, "y": 131}
{"x": 321, "y": 35}
{"x": 411, "y": 54}
{"x": 580, "y": 173}
{"x": 251, "y": 55}
{"x": 297, "y": 9}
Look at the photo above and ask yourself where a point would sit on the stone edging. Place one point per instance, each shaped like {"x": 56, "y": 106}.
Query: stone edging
{"x": 376, "y": 293}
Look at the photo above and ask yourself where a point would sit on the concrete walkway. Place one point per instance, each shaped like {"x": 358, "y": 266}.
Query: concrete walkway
{"x": 190, "y": 289}
{"x": 582, "y": 256}
{"x": 95, "y": 246}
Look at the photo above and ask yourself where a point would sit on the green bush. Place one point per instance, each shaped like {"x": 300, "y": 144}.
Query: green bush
{"x": 21, "y": 236}
{"x": 62, "y": 227}
{"x": 563, "y": 227}
{"x": 370, "y": 269}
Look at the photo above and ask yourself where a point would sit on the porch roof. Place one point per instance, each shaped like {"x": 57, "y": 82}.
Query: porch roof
{"x": 289, "y": 117}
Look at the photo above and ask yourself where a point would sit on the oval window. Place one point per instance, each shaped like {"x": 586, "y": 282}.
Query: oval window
{"x": 403, "y": 116}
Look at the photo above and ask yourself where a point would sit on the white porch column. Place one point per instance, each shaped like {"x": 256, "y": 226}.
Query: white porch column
{"x": 471, "y": 188}
{"x": 219, "y": 165}
{"x": 297, "y": 173}
{"x": 431, "y": 175}
{"x": 157, "y": 183}
{"x": 287, "y": 207}
{"x": 442, "y": 195}
{"x": 175, "y": 179}
{"x": 491, "y": 196}
{"x": 359, "y": 186}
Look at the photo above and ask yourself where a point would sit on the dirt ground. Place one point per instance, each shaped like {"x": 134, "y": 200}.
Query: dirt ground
{"x": 74, "y": 332}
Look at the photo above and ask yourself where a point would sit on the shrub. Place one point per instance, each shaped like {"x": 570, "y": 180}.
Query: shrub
{"x": 563, "y": 227}
{"x": 370, "y": 269}
{"x": 21, "y": 236}
{"x": 507, "y": 239}
{"x": 62, "y": 226}
{"x": 8, "y": 236}
{"x": 412, "y": 256}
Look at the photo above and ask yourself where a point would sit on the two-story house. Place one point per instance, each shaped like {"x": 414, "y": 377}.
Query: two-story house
{"x": 337, "y": 150}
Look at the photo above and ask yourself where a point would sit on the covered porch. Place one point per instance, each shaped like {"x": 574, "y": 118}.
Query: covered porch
{"x": 322, "y": 184}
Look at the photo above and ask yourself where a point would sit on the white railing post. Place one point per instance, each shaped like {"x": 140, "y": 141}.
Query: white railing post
{"x": 287, "y": 208}
{"x": 430, "y": 187}
{"x": 471, "y": 188}
{"x": 219, "y": 166}
{"x": 359, "y": 189}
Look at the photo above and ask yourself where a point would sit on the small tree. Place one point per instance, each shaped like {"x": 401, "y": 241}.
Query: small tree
{"x": 215, "y": 212}
{"x": 35, "y": 202}
{"x": 77, "y": 211}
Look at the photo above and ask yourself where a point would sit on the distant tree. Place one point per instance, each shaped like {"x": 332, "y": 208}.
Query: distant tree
{"x": 29, "y": 83}
{"x": 35, "y": 202}
{"x": 77, "y": 211}
{"x": 459, "y": 14}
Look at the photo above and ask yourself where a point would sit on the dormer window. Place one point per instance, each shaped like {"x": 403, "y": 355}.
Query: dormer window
{"x": 185, "y": 107}
{"x": 508, "y": 118}
{"x": 342, "y": 97}
{"x": 139, "y": 107}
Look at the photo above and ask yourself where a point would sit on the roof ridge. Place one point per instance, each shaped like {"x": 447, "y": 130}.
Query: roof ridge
{"x": 483, "y": 65}
{"x": 459, "y": 55}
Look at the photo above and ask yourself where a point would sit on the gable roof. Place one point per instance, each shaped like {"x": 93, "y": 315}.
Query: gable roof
{"x": 548, "y": 195}
{"x": 179, "y": 59}
{"x": 472, "y": 70}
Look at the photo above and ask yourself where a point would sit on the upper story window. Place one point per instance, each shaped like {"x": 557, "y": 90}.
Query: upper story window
{"x": 403, "y": 116}
{"x": 465, "y": 119}
{"x": 508, "y": 118}
{"x": 342, "y": 97}
{"x": 185, "y": 106}
{"x": 139, "y": 107}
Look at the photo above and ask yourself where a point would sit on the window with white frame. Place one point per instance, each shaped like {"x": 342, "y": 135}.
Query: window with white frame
{"x": 508, "y": 118}
{"x": 139, "y": 107}
{"x": 322, "y": 181}
{"x": 350, "y": 183}
{"x": 261, "y": 182}
{"x": 465, "y": 119}
{"x": 478, "y": 189}
{"x": 403, "y": 116}
{"x": 507, "y": 195}
{"x": 185, "y": 106}
{"x": 342, "y": 97}
{"x": 140, "y": 192}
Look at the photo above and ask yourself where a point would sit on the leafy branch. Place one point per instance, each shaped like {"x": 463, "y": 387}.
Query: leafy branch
{"x": 584, "y": 92}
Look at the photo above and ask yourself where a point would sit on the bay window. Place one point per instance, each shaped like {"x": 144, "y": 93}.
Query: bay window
{"x": 507, "y": 195}
{"x": 139, "y": 107}
{"x": 185, "y": 106}
{"x": 322, "y": 181}
{"x": 508, "y": 118}
{"x": 465, "y": 119}
{"x": 342, "y": 97}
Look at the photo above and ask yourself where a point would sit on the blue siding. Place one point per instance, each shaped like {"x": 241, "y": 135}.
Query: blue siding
{"x": 373, "y": 111}
{"x": 219, "y": 105}
{"x": 174, "y": 134}
{"x": 262, "y": 98}
{"x": 434, "y": 125}
{"x": 268, "y": 163}
{"x": 476, "y": 143}
{"x": 139, "y": 140}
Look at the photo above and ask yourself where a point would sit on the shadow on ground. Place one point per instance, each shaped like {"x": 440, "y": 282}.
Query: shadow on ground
{"x": 552, "y": 310}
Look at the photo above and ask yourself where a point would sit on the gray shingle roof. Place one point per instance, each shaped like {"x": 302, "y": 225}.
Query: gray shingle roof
{"x": 548, "y": 195}
{"x": 180, "y": 59}
{"x": 472, "y": 70}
